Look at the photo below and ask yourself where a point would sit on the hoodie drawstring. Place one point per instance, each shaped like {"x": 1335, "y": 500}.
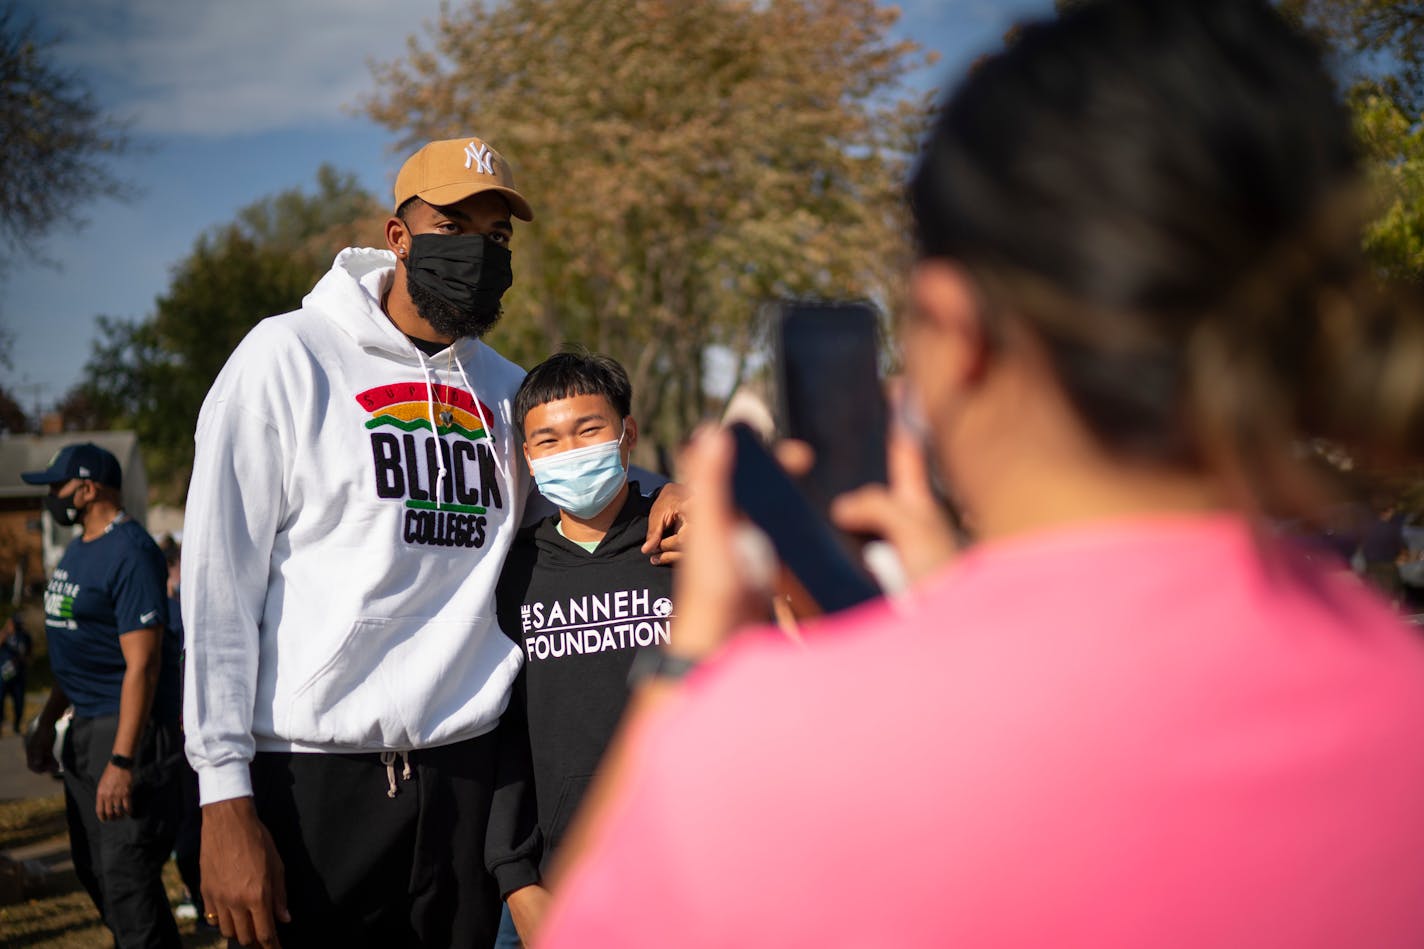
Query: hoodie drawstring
{"x": 388, "y": 758}
{"x": 434, "y": 429}
{"x": 484, "y": 422}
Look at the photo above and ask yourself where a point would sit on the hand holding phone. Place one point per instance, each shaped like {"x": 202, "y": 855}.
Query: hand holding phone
{"x": 803, "y": 539}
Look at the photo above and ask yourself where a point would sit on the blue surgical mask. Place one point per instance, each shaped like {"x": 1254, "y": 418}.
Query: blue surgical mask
{"x": 581, "y": 481}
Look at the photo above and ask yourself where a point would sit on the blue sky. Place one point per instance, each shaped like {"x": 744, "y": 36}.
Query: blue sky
{"x": 234, "y": 101}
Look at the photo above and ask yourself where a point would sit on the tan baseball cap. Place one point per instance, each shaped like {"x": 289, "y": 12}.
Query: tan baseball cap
{"x": 449, "y": 171}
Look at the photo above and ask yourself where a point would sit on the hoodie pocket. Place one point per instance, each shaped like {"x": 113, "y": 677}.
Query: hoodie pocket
{"x": 570, "y": 797}
{"x": 347, "y": 700}
{"x": 403, "y": 682}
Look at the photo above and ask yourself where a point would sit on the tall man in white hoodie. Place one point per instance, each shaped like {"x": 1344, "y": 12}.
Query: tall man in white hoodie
{"x": 356, "y": 486}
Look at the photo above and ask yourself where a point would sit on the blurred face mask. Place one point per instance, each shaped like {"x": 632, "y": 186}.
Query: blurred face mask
{"x": 582, "y": 481}
{"x": 63, "y": 510}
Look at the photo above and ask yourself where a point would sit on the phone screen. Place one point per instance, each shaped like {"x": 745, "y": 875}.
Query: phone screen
{"x": 831, "y": 394}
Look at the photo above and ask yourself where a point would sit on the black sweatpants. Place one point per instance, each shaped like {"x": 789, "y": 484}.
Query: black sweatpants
{"x": 367, "y": 869}
{"x": 120, "y": 862}
{"x": 187, "y": 844}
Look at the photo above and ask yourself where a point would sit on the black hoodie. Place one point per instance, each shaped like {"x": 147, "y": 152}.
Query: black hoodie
{"x": 579, "y": 618}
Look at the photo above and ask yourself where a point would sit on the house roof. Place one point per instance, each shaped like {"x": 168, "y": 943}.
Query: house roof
{"x": 33, "y": 453}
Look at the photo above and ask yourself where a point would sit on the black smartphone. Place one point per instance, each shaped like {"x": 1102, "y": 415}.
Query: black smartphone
{"x": 830, "y": 394}
{"x": 804, "y": 540}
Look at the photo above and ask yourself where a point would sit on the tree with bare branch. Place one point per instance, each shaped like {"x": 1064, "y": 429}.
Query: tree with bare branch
{"x": 55, "y": 141}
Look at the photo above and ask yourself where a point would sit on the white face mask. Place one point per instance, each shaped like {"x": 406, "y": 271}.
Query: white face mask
{"x": 582, "y": 481}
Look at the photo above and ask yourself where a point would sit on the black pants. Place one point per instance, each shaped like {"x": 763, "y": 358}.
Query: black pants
{"x": 120, "y": 862}
{"x": 190, "y": 835}
{"x": 367, "y": 869}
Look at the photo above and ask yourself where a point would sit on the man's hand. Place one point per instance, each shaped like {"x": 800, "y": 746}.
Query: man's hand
{"x": 115, "y": 797}
{"x": 39, "y": 749}
{"x": 666, "y": 521}
{"x": 244, "y": 884}
{"x": 527, "y": 906}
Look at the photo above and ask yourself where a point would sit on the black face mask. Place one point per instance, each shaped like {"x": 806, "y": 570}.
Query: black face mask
{"x": 62, "y": 510}
{"x": 460, "y": 278}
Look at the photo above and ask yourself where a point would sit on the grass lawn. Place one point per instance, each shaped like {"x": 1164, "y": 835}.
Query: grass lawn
{"x": 65, "y": 918}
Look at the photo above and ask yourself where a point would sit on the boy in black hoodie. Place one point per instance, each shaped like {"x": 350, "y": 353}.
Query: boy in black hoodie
{"x": 580, "y": 599}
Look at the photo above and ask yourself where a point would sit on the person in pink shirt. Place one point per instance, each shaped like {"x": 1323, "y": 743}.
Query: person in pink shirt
{"x": 1127, "y": 715}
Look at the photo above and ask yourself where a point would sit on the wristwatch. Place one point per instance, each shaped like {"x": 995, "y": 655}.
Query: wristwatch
{"x": 656, "y": 664}
{"x": 121, "y": 761}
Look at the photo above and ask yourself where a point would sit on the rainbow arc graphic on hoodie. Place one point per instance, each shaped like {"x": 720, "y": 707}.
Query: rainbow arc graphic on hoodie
{"x": 407, "y": 406}
{"x": 441, "y": 469}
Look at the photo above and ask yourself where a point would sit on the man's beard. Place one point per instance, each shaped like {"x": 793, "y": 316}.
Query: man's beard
{"x": 446, "y": 318}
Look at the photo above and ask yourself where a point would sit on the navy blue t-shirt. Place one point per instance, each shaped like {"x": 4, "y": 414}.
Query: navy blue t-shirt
{"x": 101, "y": 589}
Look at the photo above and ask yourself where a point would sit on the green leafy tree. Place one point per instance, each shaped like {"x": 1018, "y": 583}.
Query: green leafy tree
{"x": 1378, "y": 49}
{"x": 1392, "y": 142}
{"x": 151, "y": 375}
{"x": 686, "y": 162}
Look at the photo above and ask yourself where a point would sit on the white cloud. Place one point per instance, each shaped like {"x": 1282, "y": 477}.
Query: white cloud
{"x": 224, "y": 72}
{"x": 231, "y": 67}
{"x": 221, "y": 67}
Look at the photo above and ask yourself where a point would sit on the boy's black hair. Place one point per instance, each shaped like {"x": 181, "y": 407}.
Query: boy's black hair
{"x": 564, "y": 375}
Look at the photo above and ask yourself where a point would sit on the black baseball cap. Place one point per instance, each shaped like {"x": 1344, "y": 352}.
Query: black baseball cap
{"x": 85, "y": 460}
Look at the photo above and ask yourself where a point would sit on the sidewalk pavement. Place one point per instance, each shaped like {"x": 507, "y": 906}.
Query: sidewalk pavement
{"x": 41, "y": 866}
{"x": 17, "y": 782}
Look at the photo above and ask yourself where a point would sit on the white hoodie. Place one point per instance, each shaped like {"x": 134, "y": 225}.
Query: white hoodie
{"x": 338, "y": 568}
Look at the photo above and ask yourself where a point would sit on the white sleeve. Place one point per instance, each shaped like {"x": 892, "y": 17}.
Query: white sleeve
{"x": 235, "y": 507}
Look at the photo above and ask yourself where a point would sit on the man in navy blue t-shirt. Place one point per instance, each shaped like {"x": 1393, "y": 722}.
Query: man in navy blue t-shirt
{"x": 106, "y": 610}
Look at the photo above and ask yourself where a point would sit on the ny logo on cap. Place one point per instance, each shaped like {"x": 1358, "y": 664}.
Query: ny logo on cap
{"x": 482, "y": 157}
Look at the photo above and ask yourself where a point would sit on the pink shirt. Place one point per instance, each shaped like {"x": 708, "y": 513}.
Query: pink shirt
{"x": 1131, "y": 734}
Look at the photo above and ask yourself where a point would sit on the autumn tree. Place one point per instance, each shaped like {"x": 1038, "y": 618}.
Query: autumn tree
{"x": 151, "y": 375}
{"x": 686, "y": 162}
